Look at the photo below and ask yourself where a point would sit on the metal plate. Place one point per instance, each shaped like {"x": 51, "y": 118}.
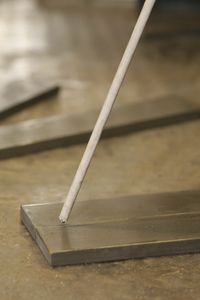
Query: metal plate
{"x": 19, "y": 94}
{"x": 117, "y": 229}
{"x": 57, "y": 131}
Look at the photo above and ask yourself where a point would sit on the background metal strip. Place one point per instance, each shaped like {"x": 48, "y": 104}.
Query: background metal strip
{"x": 65, "y": 130}
{"x": 20, "y": 94}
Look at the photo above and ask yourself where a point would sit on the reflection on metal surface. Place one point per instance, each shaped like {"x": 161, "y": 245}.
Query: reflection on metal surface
{"x": 117, "y": 229}
{"x": 48, "y": 133}
{"x": 20, "y": 94}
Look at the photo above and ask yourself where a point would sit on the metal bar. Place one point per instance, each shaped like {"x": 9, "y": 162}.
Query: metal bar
{"x": 17, "y": 95}
{"x": 65, "y": 130}
{"x": 117, "y": 229}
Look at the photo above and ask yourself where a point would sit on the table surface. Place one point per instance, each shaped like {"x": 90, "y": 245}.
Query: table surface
{"x": 81, "y": 47}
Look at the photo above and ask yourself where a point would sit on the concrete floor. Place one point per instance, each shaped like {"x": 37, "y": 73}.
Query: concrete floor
{"x": 81, "y": 48}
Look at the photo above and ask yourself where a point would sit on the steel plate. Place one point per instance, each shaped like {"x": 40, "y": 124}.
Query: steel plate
{"x": 117, "y": 229}
{"x": 19, "y": 94}
{"x": 65, "y": 130}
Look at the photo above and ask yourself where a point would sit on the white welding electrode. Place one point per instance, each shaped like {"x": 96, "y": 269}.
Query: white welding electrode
{"x": 106, "y": 110}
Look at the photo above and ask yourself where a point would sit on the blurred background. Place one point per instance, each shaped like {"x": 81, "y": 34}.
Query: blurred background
{"x": 79, "y": 43}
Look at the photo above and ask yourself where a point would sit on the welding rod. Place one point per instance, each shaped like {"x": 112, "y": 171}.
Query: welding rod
{"x": 106, "y": 110}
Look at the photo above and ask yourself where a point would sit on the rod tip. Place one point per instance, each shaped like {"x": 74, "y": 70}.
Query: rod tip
{"x": 62, "y": 221}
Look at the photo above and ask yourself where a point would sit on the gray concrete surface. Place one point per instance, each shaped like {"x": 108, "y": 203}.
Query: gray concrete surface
{"x": 81, "y": 48}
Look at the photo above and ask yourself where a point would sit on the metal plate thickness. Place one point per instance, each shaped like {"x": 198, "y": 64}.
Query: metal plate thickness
{"x": 117, "y": 229}
{"x": 19, "y": 94}
{"x": 65, "y": 130}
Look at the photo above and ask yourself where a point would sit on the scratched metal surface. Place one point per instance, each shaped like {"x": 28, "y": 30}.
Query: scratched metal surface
{"x": 81, "y": 47}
